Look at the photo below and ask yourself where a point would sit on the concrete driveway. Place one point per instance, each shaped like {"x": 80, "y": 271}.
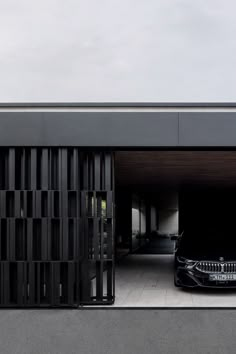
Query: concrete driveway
{"x": 147, "y": 280}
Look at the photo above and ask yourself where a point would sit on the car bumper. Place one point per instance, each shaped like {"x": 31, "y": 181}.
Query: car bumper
{"x": 193, "y": 279}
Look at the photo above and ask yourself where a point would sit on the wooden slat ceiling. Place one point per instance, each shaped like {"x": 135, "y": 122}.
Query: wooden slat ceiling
{"x": 175, "y": 167}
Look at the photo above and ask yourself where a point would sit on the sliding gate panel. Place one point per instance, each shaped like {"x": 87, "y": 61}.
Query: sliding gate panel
{"x": 56, "y": 227}
{"x": 39, "y": 235}
{"x": 97, "y": 211}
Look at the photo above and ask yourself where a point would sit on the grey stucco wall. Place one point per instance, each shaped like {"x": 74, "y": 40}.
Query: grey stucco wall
{"x": 123, "y": 331}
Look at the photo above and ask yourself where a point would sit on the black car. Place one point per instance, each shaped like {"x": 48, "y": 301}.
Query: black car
{"x": 206, "y": 258}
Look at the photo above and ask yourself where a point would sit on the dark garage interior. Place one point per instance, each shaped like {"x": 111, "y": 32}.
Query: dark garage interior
{"x": 159, "y": 195}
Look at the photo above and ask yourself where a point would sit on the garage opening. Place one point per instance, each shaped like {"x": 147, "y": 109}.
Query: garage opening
{"x": 161, "y": 198}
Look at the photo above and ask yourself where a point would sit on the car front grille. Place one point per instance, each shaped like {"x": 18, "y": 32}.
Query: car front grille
{"x": 216, "y": 267}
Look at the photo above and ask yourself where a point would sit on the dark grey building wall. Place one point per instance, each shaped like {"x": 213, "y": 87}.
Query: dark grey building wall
{"x": 118, "y": 129}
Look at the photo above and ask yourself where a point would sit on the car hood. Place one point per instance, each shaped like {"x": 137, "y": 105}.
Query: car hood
{"x": 213, "y": 256}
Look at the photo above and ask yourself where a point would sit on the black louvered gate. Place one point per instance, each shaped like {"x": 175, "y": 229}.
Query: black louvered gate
{"x": 97, "y": 196}
{"x": 56, "y": 227}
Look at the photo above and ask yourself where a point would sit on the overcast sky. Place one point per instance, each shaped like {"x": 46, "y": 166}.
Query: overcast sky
{"x": 117, "y": 50}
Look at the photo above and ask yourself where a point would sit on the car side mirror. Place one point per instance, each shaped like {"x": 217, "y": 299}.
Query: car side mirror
{"x": 174, "y": 238}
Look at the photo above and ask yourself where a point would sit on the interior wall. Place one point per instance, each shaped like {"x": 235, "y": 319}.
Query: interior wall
{"x": 143, "y": 215}
{"x": 168, "y": 214}
{"x": 123, "y": 217}
{"x": 168, "y": 221}
{"x": 139, "y": 225}
{"x": 153, "y": 218}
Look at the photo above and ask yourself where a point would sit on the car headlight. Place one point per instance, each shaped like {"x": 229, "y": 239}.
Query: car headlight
{"x": 181, "y": 259}
{"x": 187, "y": 262}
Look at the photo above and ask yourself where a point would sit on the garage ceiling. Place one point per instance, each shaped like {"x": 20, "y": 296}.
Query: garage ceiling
{"x": 175, "y": 167}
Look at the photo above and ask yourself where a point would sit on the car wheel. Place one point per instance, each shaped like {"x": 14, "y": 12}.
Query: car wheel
{"x": 176, "y": 283}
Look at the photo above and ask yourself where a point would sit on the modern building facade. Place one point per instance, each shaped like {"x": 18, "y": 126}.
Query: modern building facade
{"x": 58, "y": 188}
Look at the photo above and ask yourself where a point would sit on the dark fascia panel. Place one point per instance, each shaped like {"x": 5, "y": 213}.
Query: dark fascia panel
{"x": 118, "y": 129}
{"x": 89, "y": 129}
{"x": 207, "y": 129}
{"x": 113, "y": 129}
{"x": 22, "y": 129}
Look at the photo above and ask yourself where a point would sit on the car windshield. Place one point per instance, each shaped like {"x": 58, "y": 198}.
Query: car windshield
{"x": 211, "y": 239}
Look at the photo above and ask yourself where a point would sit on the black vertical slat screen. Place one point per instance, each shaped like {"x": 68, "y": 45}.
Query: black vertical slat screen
{"x": 56, "y": 227}
{"x": 97, "y": 266}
